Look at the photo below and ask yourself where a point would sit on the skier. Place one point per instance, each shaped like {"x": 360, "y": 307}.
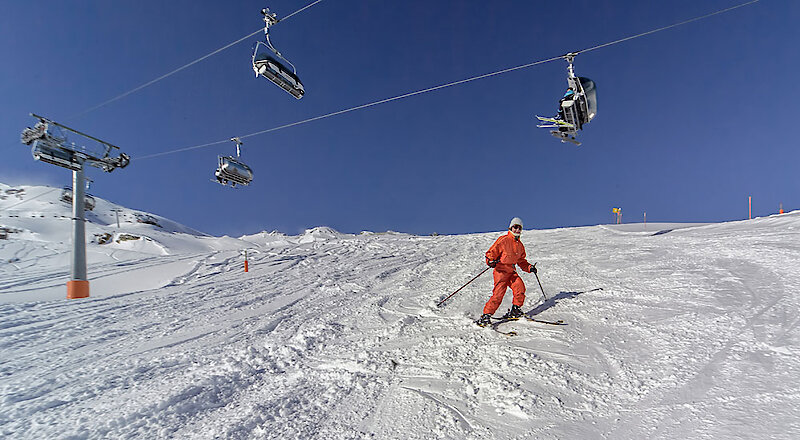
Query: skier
{"x": 568, "y": 96}
{"x": 506, "y": 252}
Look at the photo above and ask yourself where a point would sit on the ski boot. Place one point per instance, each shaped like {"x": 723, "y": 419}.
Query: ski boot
{"x": 514, "y": 313}
{"x": 486, "y": 319}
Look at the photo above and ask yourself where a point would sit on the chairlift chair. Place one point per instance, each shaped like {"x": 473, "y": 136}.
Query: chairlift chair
{"x": 265, "y": 62}
{"x": 232, "y": 170}
{"x": 577, "y": 107}
{"x": 88, "y": 199}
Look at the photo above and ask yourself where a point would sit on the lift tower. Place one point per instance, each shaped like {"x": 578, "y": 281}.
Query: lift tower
{"x": 49, "y": 143}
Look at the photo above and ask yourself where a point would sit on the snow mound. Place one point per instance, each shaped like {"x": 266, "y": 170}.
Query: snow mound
{"x": 267, "y": 239}
{"x": 321, "y": 233}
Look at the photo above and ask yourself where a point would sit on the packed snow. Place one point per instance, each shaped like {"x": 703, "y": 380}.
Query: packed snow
{"x": 672, "y": 331}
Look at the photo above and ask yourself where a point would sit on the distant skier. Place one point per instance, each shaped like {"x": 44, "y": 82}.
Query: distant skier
{"x": 506, "y": 252}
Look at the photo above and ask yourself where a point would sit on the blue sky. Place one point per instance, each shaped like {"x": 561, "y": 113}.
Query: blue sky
{"x": 691, "y": 121}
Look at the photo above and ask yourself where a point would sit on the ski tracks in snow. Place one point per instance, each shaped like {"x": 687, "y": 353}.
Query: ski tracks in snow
{"x": 721, "y": 344}
{"x": 342, "y": 339}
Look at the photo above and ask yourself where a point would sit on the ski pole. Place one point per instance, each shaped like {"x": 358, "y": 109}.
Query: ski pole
{"x": 540, "y": 283}
{"x": 465, "y": 285}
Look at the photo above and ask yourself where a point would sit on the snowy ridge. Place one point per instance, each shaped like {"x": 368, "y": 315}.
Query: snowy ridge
{"x": 46, "y": 202}
{"x": 38, "y": 223}
{"x": 687, "y": 334}
{"x": 275, "y": 238}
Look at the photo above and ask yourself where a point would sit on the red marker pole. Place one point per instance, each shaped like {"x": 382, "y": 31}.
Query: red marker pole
{"x": 749, "y": 207}
{"x": 245, "y": 260}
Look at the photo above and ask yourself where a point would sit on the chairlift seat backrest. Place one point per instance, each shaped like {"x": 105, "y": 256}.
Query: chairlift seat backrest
{"x": 590, "y": 92}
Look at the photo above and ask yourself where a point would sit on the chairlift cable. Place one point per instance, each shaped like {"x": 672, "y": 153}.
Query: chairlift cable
{"x": 29, "y": 199}
{"x": 299, "y": 10}
{"x": 371, "y": 104}
{"x": 442, "y": 86}
{"x": 721, "y": 11}
{"x": 151, "y": 82}
{"x": 395, "y": 98}
{"x": 195, "y": 147}
{"x": 185, "y": 66}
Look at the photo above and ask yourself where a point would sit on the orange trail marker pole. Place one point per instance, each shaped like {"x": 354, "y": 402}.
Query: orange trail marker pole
{"x": 749, "y": 207}
{"x": 245, "y": 260}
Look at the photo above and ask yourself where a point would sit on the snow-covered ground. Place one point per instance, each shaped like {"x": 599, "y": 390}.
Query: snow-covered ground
{"x": 673, "y": 331}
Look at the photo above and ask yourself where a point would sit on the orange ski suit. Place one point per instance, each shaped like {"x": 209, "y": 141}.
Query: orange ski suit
{"x": 510, "y": 251}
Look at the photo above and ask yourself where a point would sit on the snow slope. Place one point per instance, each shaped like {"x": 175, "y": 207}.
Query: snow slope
{"x": 144, "y": 252}
{"x": 691, "y": 333}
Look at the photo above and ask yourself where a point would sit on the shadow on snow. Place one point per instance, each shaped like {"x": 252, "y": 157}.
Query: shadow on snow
{"x": 551, "y": 302}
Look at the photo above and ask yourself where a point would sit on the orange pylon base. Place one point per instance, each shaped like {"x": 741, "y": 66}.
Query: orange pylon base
{"x": 77, "y": 289}
{"x": 245, "y": 266}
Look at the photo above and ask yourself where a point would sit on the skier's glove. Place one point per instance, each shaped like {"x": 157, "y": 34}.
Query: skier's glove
{"x": 491, "y": 263}
{"x": 533, "y": 269}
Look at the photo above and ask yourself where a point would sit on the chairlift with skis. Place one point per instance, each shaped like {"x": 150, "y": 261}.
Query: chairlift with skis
{"x": 576, "y": 108}
{"x": 232, "y": 170}
{"x": 49, "y": 143}
{"x": 266, "y": 62}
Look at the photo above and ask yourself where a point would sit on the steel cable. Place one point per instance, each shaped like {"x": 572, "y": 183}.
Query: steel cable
{"x": 430, "y": 89}
{"x": 185, "y": 66}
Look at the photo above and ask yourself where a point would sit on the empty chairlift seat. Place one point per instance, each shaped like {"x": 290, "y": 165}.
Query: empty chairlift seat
{"x": 231, "y": 170}
{"x": 269, "y": 67}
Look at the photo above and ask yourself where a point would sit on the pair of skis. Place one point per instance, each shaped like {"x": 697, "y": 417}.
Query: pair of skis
{"x": 497, "y": 321}
{"x": 554, "y": 123}
{"x": 565, "y": 136}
